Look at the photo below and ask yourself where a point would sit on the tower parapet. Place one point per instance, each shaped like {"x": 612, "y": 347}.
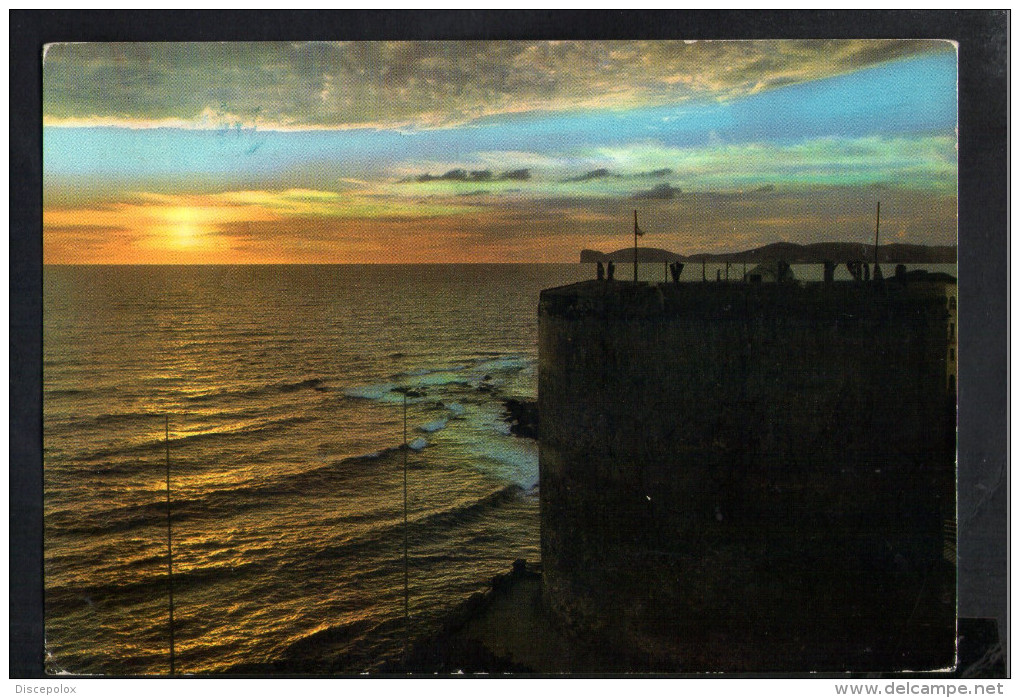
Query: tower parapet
{"x": 750, "y": 477}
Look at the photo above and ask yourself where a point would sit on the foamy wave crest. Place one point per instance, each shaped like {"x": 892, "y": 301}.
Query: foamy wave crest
{"x": 441, "y": 379}
{"x": 418, "y": 372}
{"x": 434, "y": 425}
{"x": 505, "y": 364}
{"x": 506, "y": 457}
{"x": 373, "y": 455}
{"x": 521, "y": 459}
{"x": 389, "y": 393}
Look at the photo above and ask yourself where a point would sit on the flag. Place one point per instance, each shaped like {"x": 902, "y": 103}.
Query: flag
{"x": 637, "y": 230}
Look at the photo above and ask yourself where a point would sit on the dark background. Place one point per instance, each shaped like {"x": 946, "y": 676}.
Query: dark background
{"x": 983, "y": 205}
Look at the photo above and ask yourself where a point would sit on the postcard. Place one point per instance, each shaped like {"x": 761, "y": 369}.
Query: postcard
{"x": 536, "y": 357}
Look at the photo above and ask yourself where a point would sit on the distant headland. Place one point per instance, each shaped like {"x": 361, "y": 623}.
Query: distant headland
{"x": 790, "y": 252}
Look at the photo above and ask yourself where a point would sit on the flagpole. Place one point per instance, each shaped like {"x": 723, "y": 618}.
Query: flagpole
{"x": 407, "y": 593}
{"x": 635, "y": 245}
{"x": 878, "y": 215}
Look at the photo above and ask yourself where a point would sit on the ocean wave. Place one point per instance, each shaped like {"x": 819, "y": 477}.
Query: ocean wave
{"x": 372, "y": 455}
{"x": 467, "y": 511}
{"x": 121, "y": 418}
{"x": 227, "y": 436}
{"x": 312, "y": 642}
{"x": 145, "y": 579}
{"x": 504, "y": 364}
{"x": 146, "y": 586}
{"x": 391, "y": 393}
{"x": 436, "y": 380}
{"x": 374, "y": 392}
{"x": 421, "y": 388}
{"x": 485, "y": 374}
{"x": 66, "y": 392}
{"x": 505, "y": 457}
{"x": 422, "y": 524}
{"x": 218, "y": 502}
{"x": 418, "y": 372}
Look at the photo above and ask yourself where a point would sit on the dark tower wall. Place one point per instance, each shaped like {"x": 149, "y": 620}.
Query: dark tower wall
{"x": 740, "y": 476}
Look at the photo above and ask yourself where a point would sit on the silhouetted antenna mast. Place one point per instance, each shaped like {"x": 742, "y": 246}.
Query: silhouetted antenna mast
{"x": 637, "y": 232}
{"x": 407, "y": 592}
{"x": 407, "y": 595}
{"x": 169, "y": 545}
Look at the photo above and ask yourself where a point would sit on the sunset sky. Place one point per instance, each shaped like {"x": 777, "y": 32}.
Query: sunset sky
{"x": 490, "y": 151}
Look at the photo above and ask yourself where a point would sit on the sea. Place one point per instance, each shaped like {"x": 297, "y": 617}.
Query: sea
{"x": 275, "y": 401}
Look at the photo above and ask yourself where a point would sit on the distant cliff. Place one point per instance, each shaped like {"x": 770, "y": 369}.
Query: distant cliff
{"x": 793, "y": 253}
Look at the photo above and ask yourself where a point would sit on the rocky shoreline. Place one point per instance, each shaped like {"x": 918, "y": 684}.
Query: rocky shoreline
{"x": 522, "y": 414}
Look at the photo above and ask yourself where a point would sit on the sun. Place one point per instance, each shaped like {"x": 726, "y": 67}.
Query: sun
{"x": 184, "y": 229}
{"x": 186, "y": 236}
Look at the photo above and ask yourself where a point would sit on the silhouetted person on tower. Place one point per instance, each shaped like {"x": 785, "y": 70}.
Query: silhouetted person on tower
{"x": 783, "y": 271}
{"x": 855, "y": 269}
{"x": 610, "y": 270}
{"x": 829, "y": 271}
{"x": 600, "y": 271}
